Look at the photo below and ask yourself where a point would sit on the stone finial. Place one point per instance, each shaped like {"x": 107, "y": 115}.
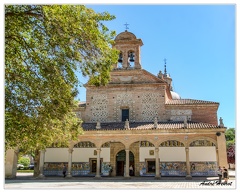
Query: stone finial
{"x": 160, "y": 75}
{"x": 155, "y": 123}
{"x": 126, "y": 126}
{"x": 165, "y": 70}
{"x": 221, "y": 122}
{"x": 185, "y": 122}
{"x": 98, "y": 126}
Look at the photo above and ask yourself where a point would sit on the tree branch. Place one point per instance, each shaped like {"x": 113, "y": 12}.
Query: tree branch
{"x": 26, "y": 13}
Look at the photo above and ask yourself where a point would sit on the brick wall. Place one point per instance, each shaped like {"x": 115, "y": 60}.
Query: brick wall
{"x": 200, "y": 113}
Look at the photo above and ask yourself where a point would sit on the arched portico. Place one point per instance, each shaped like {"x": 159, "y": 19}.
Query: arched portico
{"x": 152, "y": 153}
{"x": 173, "y": 158}
{"x": 203, "y": 156}
{"x": 121, "y": 162}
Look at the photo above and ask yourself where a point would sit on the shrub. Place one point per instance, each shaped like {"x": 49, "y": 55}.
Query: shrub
{"x": 24, "y": 161}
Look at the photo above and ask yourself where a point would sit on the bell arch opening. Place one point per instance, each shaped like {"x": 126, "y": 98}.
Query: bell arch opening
{"x": 131, "y": 59}
{"x": 120, "y": 60}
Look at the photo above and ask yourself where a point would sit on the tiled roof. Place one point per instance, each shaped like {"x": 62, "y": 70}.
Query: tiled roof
{"x": 148, "y": 126}
{"x": 82, "y": 104}
{"x": 173, "y": 102}
{"x": 188, "y": 102}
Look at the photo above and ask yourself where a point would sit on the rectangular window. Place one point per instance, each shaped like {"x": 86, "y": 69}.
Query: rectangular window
{"x": 93, "y": 165}
{"x": 151, "y": 166}
{"x": 125, "y": 114}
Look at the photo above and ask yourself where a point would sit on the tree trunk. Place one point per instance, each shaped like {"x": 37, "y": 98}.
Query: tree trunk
{"x": 36, "y": 163}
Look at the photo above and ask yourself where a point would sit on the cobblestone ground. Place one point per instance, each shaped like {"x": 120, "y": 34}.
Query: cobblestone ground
{"x": 117, "y": 183}
{"x": 114, "y": 185}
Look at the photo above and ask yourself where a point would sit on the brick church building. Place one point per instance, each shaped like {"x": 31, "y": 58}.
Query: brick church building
{"x": 137, "y": 125}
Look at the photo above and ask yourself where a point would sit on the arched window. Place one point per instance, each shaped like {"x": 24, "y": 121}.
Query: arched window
{"x": 171, "y": 143}
{"x": 146, "y": 144}
{"x": 84, "y": 144}
{"x": 202, "y": 142}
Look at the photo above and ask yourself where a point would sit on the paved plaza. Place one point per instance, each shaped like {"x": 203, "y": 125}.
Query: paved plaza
{"x": 24, "y": 181}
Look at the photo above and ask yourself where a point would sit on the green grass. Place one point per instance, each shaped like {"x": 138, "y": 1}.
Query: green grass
{"x": 25, "y": 171}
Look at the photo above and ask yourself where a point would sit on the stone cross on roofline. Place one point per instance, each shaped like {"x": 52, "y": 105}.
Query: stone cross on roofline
{"x": 126, "y": 24}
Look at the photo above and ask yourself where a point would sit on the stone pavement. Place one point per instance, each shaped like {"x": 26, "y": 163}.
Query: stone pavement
{"x": 24, "y": 181}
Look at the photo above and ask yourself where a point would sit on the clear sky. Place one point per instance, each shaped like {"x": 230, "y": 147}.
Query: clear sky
{"x": 198, "y": 42}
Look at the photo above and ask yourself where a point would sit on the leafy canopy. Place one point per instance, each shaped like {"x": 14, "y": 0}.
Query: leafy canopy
{"x": 44, "y": 46}
{"x": 24, "y": 161}
{"x": 230, "y": 136}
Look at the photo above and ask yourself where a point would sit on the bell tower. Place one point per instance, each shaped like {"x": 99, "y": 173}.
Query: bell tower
{"x": 129, "y": 47}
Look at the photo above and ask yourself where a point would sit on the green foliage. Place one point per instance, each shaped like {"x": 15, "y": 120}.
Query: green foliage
{"x": 24, "y": 161}
{"x": 45, "y": 45}
{"x": 230, "y": 136}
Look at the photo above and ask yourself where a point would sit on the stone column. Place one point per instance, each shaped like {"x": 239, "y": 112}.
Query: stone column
{"x": 11, "y": 163}
{"x": 69, "y": 172}
{"x": 157, "y": 171}
{"x": 98, "y": 164}
{"x": 188, "y": 177}
{"x": 127, "y": 164}
{"x": 41, "y": 163}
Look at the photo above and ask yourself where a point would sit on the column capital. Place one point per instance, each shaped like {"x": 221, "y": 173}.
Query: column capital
{"x": 186, "y": 148}
{"x": 70, "y": 150}
{"x": 157, "y": 149}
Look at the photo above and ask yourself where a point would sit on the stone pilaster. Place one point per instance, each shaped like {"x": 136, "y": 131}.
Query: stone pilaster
{"x": 41, "y": 163}
{"x": 217, "y": 156}
{"x": 137, "y": 63}
{"x": 11, "y": 163}
{"x": 125, "y": 59}
{"x": 222, "y": 151}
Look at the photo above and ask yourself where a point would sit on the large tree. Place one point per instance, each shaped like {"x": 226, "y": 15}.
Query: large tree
{"x": 230, "y": 136}
{"x": 230, "y": 140}
{"x": 45, "y": 45}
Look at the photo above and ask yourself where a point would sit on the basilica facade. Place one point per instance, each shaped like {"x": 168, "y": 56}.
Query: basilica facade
{"x": 137, "y": 125}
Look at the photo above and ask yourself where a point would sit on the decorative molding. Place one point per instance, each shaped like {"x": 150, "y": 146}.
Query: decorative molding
{"x": 151, "y": 152}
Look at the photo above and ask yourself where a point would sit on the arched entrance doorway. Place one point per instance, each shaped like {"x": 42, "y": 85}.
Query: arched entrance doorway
{"x": 121, "y": 162}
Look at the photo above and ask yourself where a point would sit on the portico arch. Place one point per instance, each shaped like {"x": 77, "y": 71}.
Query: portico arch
{"x": 150, "y": 139}
{"x": 171, "y": 138}
{"x": 202, "y": 138}
{"x": 173, "y": 157}
{"x": 203, "y": 156}
{"x": 121, "y": 160}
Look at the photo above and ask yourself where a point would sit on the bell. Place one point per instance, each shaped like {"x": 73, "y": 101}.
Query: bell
{"x": 120, "y": 58}
{"x": 131, "y": 55}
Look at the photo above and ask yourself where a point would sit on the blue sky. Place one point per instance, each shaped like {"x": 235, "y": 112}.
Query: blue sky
{"x": 198, "y": 42}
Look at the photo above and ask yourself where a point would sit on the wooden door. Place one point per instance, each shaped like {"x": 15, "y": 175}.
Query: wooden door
{"x": 120, "y": 168}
